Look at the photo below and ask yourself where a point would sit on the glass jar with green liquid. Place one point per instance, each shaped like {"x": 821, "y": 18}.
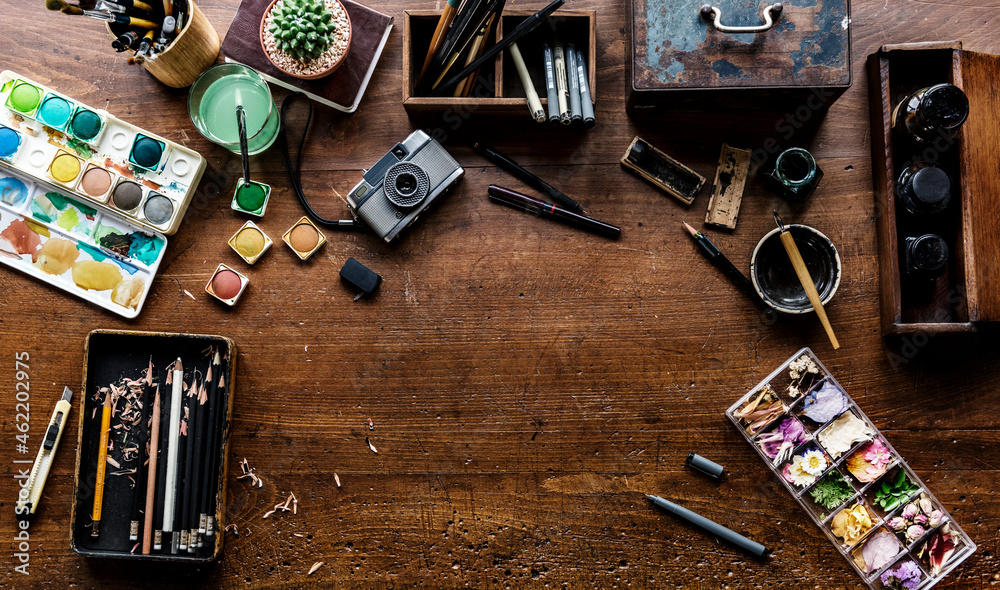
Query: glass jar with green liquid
{"x": 212, "y": 106}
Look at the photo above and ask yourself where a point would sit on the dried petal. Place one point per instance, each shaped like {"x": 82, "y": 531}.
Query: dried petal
{"x": 315, "y": 567}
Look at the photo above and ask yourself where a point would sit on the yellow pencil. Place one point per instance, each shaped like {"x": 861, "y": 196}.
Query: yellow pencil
{"x": 102, "y": 461}
{"x": 442, "y": 28}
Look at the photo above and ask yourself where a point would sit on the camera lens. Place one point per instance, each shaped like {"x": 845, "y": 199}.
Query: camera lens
{"x": 406, "y": 184}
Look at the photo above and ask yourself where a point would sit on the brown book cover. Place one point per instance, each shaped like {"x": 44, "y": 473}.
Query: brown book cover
{"x": 342, "y": 89}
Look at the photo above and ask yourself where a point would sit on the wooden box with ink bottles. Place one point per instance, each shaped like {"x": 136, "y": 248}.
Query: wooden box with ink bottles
{"x": 498, "y": 89}
{"x": 935, "y": 129}
{"x": 156, "y": 412}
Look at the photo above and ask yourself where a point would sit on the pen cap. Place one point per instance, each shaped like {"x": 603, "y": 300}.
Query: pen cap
{"x": 709, "y": 468}
{"x": 169, "y": 25}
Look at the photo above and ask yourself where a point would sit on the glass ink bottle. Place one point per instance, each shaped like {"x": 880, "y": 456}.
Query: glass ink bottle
{"x": 923, "y": 190}
{"x": 931, "y": 113}
{"x": 926, "y": 256}
{"x": 794, "y": 174}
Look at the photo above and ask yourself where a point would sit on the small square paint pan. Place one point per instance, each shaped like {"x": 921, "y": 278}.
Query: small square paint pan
{"x": 226, "y": 285}
{"x": 304, "y": 238}
{"x": 86, "y": 125}
{"x": 127, "y": 195}
{"x": 96, "y": 183}
{"x": 55, "y": 111}
{"x": 10, "y": 142}
{"x": 24, "y": 98}
{"x": 147, "y": 153}
{"x": 250, "y": 242}
{"x": 65, "y": 169}
{"x": 251, "y": 197}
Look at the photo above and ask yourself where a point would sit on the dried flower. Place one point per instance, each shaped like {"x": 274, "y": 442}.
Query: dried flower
{"x": 879, "y": 550}
{"x": 897, "y": 523}
{"x": 824, "y": 404}
{"x": 761, "y": 410}
{"x": 921, "y": 519}
{"x": 914, "y": 532}
{"x": 831, "y": 491}
{"x": 813, "y": 462}
{"x": 909, "y": 511}
{"x": 905, "y": 576}
{"x": 780, "y": 442}
{"x": 851, "y": 523}
{"x": 936, "y": 517}
{"x": 869, "y": 462}
{"x": 843, "y": 433}
{"x": 938, "y": 549}
{"x": 925, "y": 504}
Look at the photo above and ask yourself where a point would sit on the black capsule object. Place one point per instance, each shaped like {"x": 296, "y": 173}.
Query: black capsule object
{"x": 709, "y": 468}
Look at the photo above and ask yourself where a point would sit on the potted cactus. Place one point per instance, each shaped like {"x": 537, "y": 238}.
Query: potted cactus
{"x": 306, "y": 38}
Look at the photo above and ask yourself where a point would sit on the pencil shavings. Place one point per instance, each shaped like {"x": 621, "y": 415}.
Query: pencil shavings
{"x": 114, "y": 463}
{"x": 250, "y": 473}
{"x": 371, "y": 425}
{"x": 315, "y": 567}
{"x": 291, "y": 504}
{"x": 371, "y": 446}
{"x": 188, "y": 293}
{"x": 336, "y": 478}
{"x": 235, "y": 531}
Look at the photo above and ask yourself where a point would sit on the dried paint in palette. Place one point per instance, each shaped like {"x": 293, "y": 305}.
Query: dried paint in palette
{"x": 65, "y": 168}
{"x": 251, "y": 197}
{"x": 134, "y": 174}
{"x": 24, "y": 98}
{"x": 147, "y": 153}
{"x": 304, "y": 238}
{"x": 250, "y": 242}
{"x": 227, "y": 285}
{"x": 10, "y": 141}
{"x": 86, "y": 125}
{"x": 55, "y": 111}
{"x": 69, "y": 244}
{"x": 875, "y": 510}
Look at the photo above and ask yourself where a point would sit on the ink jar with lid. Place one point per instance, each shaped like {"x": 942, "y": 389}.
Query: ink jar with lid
{"x": 923, "y": 190}
{"x": 926, "y": 256}
{"x": 931, "y": 113}
{"x": 793, "y": 174}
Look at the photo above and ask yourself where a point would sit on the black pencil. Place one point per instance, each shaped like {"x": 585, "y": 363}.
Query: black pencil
{"x": 716, "y": 257}
{"x": 218, "y": 397}
{"x": 161, "y": 471}
{"x": 142, "y": 438}
{"x": 197, "y": 468}
{"x": 206, "y": 466}
{"x": 185, "y": 489}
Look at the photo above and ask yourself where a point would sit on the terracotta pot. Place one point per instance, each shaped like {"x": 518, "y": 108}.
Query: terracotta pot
{"x": 333, "y": 67}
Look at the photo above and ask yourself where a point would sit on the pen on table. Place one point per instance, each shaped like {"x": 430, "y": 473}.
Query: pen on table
{"x": 527, "y": 25}
{"x": 528, "y": 178}
{"x": 711, "y": 526}
{"x": 585, "y": 100}
{"x": 550, "y": 83}
{"x": 716, "y": 257}
{"x": 534, "y": 105}
{"x": 540, "y": 208}
{"x": 102, "y": 460}
{"x": 442, "y": 27}
{"x": 30, "y": 495}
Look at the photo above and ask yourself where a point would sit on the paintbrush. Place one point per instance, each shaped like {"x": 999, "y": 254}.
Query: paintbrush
{"x": 805, "y": 278}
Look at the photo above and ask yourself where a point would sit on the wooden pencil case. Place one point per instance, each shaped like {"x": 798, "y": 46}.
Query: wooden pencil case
{"x": 505, "y": 95}
{"x": 969, "y": 292}
{"x": 110, "y": 355}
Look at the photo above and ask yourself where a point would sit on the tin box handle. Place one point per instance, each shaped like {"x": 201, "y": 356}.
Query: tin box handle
{"x": 713, "y": 15}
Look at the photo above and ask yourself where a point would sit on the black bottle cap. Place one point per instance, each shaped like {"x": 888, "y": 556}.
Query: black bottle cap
{"x": 928, "y": 253}
{"x": 360, "y": 277}
{"x": 944, "y": 106}
{"x": 931, "y": 186}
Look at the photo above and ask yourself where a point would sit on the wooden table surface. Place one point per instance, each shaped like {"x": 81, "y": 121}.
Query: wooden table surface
{"x": 528, "y": 383}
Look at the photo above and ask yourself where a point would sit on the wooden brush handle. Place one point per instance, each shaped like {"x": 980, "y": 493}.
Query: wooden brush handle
{"x": 807, "y": 283}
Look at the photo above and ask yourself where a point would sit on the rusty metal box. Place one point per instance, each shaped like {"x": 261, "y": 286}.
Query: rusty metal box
{"x": 686, "y": 52}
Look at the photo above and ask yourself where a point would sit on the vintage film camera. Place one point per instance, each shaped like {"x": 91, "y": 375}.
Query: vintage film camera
{"x": 402, "y": 184}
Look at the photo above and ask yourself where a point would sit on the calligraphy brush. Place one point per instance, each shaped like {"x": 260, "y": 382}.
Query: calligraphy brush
{"x": 805, "y": 278}
{"x": 210, "y": 485}
{"x": 152, "y": 477}
{"x": 138, "y": 497}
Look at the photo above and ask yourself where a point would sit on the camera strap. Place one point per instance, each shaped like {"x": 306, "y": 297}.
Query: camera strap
{"x": 295, "y": 173}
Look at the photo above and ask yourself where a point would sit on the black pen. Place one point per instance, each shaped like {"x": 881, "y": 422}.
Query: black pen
{"x": 716, "y": 257}
{"x": 527, "y": 25}
{"x": 530, "y": 179}
{"x": 711, "y": 526}
{"x": 540, "y": 208}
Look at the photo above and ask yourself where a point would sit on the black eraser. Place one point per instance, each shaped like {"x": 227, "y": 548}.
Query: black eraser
{"x": 360, "y": 277}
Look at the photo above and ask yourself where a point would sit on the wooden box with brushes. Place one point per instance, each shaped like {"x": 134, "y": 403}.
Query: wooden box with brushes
{"x": 85, "y": 152}
{"x": 152, "y": 446}
{"x": 936, "y": 200}
{"x": 503, "y": 94}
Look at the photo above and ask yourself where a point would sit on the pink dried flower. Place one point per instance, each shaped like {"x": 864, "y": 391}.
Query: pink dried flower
{"x": 897, "y": 523}
{"x": 920, "y": 519}
{"x": 925, "y": 505}
{"x": 936, "y": 517}
{"x": 915, "y": 532}
{"x": 909, "y": 511}
{"x": 878, "y": 454}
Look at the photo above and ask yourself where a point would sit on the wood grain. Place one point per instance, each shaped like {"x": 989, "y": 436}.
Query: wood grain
{"x": 527, "y": 382}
